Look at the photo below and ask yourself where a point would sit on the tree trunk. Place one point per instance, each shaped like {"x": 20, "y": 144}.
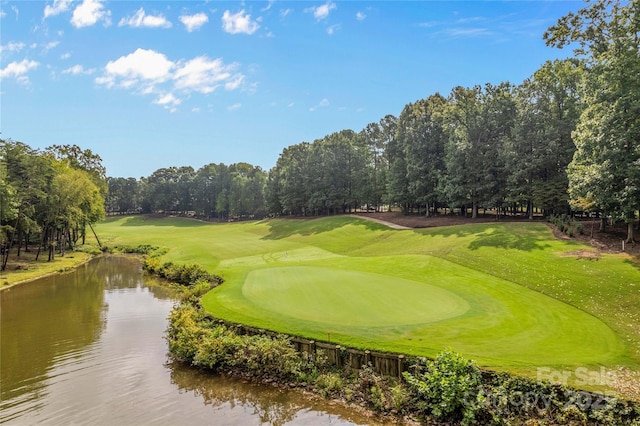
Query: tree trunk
{"x": 474, "y": 210}
{"x": 603, "y": 223}
{"x": 530, "y": 209}
{"x": 630, "y": 232}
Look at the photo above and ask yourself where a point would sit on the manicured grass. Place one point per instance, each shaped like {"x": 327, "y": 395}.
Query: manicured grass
{"x": 507, "y": 295}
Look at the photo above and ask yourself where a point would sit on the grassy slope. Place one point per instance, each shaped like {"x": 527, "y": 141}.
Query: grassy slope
{"x": 488, "y": 266}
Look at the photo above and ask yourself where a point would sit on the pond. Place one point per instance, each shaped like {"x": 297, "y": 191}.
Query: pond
{"x": 87, "y": 347}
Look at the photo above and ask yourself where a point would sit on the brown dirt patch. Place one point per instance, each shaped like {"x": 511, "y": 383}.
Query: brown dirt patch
{"x": 582, "y": 254}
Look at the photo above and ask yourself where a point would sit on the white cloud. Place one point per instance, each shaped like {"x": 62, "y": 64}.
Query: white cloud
{"x": 168, "y": 100}
{"x": 56, "y": 8}
{"x": 465, "y": 32}
{"x": 50, "y": 45}
{"x": 65, "y": 55}
{"x": 323, "y": 104}
{"x": 332, "y": 29}
{"x": 322, "y": 12}
{"x": 18, "y": 70}
{"x": 234, "y": 107}
{"x": 146, "y": 66}
{"x": 234, "y": 82}
{"x": 194, "y": 22}
{"x": 239, "y": 23}
{"x": 141, "y": 19}
{"x": 89, "y": 13}
{"x": 2, "y": 13}
{"x": 12, "y": 46}
{"x": 148, "y": 72}
{"x": 205, "y": 75}
{"x": 285, "y": 12}
{"x": 268, "y": 6}
{"x": 360, "y": 16}
{"x": 78, "y": 70}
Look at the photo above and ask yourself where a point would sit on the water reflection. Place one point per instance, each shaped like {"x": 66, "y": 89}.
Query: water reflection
{"x": 267, "y": 404}
{"x": 43, "y": 324}
{"x": 87, "y": 347}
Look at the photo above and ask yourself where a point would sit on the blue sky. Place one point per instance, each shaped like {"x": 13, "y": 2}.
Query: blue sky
{"x": 181, "y": 83}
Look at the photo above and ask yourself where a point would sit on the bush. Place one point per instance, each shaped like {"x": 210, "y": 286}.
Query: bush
{"x": 566, "y": 224}
{"x": 448, "y": 388}
{"x": 187, "y": 275}
{"x": 329, "y": 383}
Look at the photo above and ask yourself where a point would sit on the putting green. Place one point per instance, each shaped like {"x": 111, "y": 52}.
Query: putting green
{"x": 349, "y": 298}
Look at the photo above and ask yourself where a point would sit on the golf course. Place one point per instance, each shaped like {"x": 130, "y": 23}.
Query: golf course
{"x": 509, "y": 295}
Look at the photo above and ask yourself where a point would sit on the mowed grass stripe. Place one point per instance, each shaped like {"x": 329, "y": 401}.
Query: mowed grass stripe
{"x": 529, "y": 304}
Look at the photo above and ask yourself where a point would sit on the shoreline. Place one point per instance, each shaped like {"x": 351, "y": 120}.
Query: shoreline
{"x": 54, "y": 270}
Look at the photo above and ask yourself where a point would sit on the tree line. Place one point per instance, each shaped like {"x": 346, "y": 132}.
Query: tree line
{"x": 48, "y": 198}
{"x": 492, "y": 146}
{"x": 566, "y": 139}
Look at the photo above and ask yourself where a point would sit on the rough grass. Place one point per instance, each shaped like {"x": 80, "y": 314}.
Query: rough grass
{"x": 506, "y": 295}
{"x": 25, "y": 268}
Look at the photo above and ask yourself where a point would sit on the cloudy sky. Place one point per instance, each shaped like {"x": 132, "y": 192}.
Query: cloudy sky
{"x": 181, "y": 83}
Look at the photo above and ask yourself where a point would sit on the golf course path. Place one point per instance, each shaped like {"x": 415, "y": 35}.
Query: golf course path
{"x": 383, "y": 222}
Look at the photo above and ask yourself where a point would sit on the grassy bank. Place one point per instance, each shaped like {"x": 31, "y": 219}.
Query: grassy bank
{"x": 510, "y": 295}
{"x": 25, "y": 268}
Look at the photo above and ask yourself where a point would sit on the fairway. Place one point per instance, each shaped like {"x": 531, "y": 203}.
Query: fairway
{"x": 506, "y": 295}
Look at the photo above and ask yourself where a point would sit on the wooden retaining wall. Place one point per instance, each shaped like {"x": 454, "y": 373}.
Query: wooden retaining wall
{"x": 386, "y": 364}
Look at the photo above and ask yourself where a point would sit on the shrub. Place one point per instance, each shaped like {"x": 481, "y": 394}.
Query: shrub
{"x": 566, "y": 224}
{"x": 448, "y": 388}
{"x": 329, "y": 383}
{"x": 400, "y": 397}
{"x": 186, "y": 275}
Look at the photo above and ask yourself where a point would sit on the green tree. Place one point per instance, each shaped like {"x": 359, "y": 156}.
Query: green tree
{"x": 123, "y": 195}
{"x": 28, "y": 180}
{"x": 541, "y": 148}
{"x": 292, "y": 172}
{"x": 376, "y": 165}
{"x": 421, "y": 134}
{"x": 606, "y": 165}
{"x": 479, "y": 122}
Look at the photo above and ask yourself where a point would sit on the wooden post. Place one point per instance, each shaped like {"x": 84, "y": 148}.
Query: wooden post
{"x": 400, "y": 366}
{"x": 367, "y": 357}
{"x": 338, "y": 360}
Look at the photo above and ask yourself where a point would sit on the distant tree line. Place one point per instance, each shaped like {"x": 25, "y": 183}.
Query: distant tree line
{"x": 48, "y": 198}
{"x": 566, "y": 139}
{"x": 215, "y": 191}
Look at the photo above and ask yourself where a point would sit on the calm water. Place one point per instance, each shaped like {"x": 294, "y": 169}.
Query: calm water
{"x": 87, "y": 348}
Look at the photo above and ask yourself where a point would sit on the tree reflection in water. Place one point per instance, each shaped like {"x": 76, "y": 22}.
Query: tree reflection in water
{"x": 273, "y": 405}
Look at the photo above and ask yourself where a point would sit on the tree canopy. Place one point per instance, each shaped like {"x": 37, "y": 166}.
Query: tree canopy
{"x": 605, "y": 170}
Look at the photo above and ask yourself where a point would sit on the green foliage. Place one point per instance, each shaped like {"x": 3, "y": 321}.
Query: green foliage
{"x": 567, "y": 224}
{"x": 195, "y": 290}
{"x": 195, "y": 339}
{"x": 329, "y": 384}
{"x": 185, "y": 331}
{"x": 447, "y": 388}
{"x": 605, "y": 168}
{"x": 179, "y": 273}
